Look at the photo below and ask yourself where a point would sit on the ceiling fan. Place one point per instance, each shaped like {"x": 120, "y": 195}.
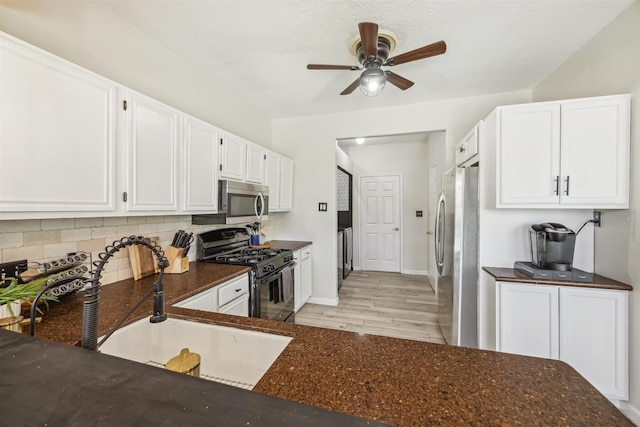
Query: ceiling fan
{"x": 372, "y": 49}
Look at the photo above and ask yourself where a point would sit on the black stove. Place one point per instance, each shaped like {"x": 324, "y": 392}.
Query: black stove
{"x": 264, "y": 260}
{"x": 271, "y": 276}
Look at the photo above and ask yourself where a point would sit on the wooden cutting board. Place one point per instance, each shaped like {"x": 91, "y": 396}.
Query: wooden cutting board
{"x": 143, "y": 263}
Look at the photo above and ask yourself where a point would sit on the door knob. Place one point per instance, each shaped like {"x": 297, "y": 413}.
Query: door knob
{"x": 429, "y": 233}
{"x": 396, "y": 229}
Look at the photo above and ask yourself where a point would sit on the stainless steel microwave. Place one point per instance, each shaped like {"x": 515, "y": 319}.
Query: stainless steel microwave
{"x": 238, "y": 203}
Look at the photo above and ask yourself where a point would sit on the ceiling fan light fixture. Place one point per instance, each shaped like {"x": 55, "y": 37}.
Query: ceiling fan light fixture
{"x": 372, "y": 81}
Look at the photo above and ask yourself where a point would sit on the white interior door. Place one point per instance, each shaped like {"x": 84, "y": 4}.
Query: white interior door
{"x": 380, "y": 223}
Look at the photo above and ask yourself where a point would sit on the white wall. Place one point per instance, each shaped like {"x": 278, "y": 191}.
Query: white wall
{"x": 610, "y": 64}
{"x": 310, "y": 142}
{"x": 95, "y": 38}
{"x": 408, "y": 159}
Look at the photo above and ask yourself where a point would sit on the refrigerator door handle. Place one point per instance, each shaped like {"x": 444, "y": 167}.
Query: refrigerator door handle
{"x": 439, "y": 234}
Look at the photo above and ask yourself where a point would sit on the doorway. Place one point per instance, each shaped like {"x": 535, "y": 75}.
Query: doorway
{"x": 380, "y": 223}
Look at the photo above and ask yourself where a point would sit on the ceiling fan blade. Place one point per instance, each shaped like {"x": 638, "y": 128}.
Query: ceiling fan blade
{"x": 398, "y": 81}
{"x": 351, "y": 87}
{"x": 437, "y": 48}
{"x": 369, "y": 38}
{"x": 332, "y": 67}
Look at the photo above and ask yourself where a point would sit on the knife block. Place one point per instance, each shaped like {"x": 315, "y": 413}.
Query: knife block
{"x": 177, "y": 262}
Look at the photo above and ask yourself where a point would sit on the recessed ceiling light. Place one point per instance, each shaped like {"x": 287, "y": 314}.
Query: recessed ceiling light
{"x": 360, "y": 140}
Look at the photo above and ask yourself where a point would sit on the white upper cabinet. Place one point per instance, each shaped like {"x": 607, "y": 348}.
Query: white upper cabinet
{"x": 200, "y": 165}
{"x": 279, "y": 178}
{"x": 467, "y": 149}
{"x": 594, "y": 153}
{"x": 232, "y": 157}
{"x": 57, "y": 134}
{"x": 286, "y": 184}
{"x": 256, "y": 158}
{"x": 564, "y": 154}
{"x": 152, "y": 131}
{"x": 273, "y": 180}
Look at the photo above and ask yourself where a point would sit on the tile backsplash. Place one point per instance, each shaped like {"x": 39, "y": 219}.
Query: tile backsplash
{"x": 41, "y": 240}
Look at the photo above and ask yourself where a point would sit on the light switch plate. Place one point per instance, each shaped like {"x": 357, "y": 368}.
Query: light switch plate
{"x": 419, "y": 214}
{"x": 322, "y": 206}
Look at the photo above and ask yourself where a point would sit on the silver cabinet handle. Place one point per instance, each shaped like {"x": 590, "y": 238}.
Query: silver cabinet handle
{"x": 556, "y": 184}
{"x": 566, "y": 189}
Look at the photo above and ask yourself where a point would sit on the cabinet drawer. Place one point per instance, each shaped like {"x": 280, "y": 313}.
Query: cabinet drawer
{"x": 305, "y": 253}
{"x": 233, "y": 290}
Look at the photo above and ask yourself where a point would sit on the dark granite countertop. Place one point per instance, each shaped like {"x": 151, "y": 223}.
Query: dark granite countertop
{"x": 395, "y": 381}
{"x": 293, "y": 245}
{"x": 513, "y": 275}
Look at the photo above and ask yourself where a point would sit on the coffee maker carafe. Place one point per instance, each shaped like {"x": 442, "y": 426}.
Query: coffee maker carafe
{"x": 552, "y": 246}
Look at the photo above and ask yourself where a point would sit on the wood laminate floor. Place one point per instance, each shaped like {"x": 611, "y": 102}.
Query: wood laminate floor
{"x": 390, "y": 304}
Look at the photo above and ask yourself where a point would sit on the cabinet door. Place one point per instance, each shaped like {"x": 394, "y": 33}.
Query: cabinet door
{"x": 527, "y": 321}
{"x": 594, "y": 337}
{"x": 305, "y": 274}
{"x": 286, "y": 184}
{"x": 204, "y": 301}
{"x": 200, "y": 166}
{"x": 256, "y": 157}
{"x": 57, "y": 133}
{"x": 528, "y": 155}
{"x": 273, "y": 180}
{"x": 595, "y": 152}
{"x": 152, "y": 147}
{"x": 232, "y": 156}
{"x": 297, "y": 281}
{"x": 467, "y": 149}
{"x": 237, "y": 307}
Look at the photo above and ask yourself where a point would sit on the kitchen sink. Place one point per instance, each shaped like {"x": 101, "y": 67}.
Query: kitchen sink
{"x": 230, "y": 355}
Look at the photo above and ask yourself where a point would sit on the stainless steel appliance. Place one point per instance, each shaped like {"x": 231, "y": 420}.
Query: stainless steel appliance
{"x": 238, "y": 203}
{"x": 271, "y": 294}
{"x": 340, "y": 248}
{"x": 552, "y": 246}
{"x": 456, "y": 249}
{"x": 347, "y": 252}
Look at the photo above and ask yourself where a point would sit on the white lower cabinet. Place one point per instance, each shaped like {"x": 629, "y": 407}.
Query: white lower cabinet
{"x": 528, "y": 320}
{"x": 587, "y": 328}
{"x": 594, "y": 337}
{"x": 302, "y": 277}
{"x": 230, "y": 297}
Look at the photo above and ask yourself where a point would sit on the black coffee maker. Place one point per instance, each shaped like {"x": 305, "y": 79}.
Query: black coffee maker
{"x": 552, "y": 246}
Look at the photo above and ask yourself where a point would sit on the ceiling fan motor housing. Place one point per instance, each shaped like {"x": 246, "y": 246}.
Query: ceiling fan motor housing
{"x": 384, "y": 49}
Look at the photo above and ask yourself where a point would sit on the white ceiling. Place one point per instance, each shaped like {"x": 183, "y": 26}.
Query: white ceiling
{"x": 259, "y": 49}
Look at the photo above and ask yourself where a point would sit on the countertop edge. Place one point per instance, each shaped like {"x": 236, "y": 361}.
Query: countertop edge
{"x": 504, "y": 274}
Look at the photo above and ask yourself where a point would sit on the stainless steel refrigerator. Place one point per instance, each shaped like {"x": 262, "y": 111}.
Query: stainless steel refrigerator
{"x": 456, "y": 241}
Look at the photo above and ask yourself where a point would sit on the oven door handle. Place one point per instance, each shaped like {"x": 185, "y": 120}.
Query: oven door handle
{"x": 270, "y": 276}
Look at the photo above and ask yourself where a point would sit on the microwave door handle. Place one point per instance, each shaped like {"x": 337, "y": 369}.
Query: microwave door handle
{"x": 261, "y": 199}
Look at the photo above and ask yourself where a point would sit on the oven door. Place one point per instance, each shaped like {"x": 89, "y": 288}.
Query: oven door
{"x": 271, "y": 300}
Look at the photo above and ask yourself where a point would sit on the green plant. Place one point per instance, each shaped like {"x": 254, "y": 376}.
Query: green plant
{"x": 25, "y": 292}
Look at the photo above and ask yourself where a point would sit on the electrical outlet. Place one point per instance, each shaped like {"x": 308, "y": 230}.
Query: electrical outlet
{"x": 597, "y": 218}
{"x": 419, "y": 214}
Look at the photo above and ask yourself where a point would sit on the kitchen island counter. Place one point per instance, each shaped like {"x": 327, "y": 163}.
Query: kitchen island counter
{"x": 395, "y": 381}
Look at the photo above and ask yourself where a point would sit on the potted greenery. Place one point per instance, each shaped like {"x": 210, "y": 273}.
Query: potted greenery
{"x": 11, "y": 296}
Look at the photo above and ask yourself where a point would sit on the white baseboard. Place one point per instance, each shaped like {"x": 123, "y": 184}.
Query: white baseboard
{"x": 631, "y": 411}
{"x": 323, "y": 301}
{"x": 415, "y": 272}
